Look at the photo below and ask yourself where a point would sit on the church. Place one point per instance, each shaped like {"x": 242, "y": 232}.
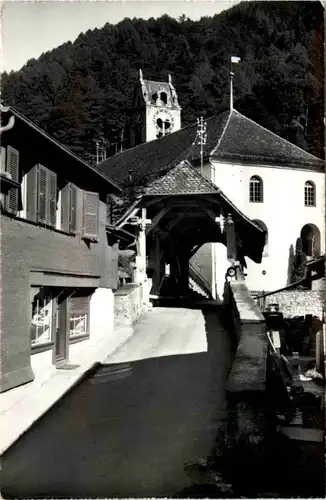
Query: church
{"x": 278, "y": 186}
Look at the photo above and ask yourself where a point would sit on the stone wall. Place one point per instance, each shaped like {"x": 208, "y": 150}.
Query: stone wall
{"x": 130, "y": 301}
{"x": 248, "y": 371}
{"x": 299, "y": 302}
{"x": 246, "y": 424}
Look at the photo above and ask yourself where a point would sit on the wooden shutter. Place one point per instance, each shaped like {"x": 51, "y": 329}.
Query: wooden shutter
{"x": 65, "y": 201}
{"x": 3, "y": 160}
{"x": 42, "y": 190}
{"x": 90, "y": 215}
{"x": 11, "y": 203}
{"x": 31, "y": 194}
{"x": 52, "y": 198}
{"x": 72, "y": 208}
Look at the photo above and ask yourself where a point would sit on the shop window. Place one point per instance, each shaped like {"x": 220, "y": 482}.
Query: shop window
{"x": 78, "y": 325}
{"x": 79, "y": 314}
{"x": 42, "y": 319}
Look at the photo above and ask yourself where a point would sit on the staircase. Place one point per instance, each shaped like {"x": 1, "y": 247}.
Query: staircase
{"x": 198, "y": 284}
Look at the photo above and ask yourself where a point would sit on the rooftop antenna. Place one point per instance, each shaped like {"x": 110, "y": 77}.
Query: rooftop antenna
{"x": 201, "y": 132}
{"x": 234, "y": 60}
{"x": 97, "y": 144}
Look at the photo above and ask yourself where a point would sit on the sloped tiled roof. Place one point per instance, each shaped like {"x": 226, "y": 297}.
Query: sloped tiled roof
{"x": 244, "y": 139}
{"x": 151, "y": 158}
{"x": 182, "y": 179}
{"x": 231, "y": 136}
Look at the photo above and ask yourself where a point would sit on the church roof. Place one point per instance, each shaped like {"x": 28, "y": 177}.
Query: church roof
{"x": 231, "y": 136}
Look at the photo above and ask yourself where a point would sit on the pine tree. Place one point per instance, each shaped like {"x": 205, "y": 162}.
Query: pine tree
{"x": 299, "y": 271}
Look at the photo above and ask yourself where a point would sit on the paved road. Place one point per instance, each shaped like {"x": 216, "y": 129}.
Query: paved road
{"x": 129, "y": 430}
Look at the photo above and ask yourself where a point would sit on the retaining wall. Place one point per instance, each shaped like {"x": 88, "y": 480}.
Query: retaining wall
{"x": 299, "y": 302}
{"x": 246, "y": 425}
{"x": 130, "y": 301}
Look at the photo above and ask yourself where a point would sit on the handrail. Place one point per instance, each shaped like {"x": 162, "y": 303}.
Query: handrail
{"x": 288, "y": 287}
{"x": 198, "y": 275}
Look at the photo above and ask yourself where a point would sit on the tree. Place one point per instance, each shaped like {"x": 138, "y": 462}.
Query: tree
{"x": 299, "y": 268}
{"x": 85, "y": 87}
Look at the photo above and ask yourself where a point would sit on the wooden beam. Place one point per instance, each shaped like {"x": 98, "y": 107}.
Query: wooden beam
{"x": 157, "y": 219}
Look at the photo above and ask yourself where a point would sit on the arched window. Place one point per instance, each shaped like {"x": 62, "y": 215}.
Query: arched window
{"x": 164, "y": 97}
{"x": 256, "y": 189}
{"x": 261, "y": 224}
{"x": 310, "y": 237}
{"x": 309, "y": 194}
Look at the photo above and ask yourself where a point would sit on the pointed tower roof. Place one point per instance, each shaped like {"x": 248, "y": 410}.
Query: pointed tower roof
{"x": 151, "y": 91}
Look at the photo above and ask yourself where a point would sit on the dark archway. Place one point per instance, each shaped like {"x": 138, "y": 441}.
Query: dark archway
{"x": 310, "y": 237}
{"x": 263, "y": 226}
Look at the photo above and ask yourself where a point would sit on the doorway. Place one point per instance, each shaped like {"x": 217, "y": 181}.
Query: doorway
{"x": 61, "y": 347}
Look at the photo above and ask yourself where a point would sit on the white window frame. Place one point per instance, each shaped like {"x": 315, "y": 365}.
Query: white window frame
{"x": 73, "y": 334}
{"x": 38, "y": 323}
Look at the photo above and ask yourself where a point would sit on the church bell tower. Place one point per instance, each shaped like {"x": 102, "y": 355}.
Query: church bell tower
{"x": 155, "y": 111}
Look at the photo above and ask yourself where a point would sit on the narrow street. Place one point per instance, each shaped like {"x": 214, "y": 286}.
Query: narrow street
{"x": 129, "y": 430}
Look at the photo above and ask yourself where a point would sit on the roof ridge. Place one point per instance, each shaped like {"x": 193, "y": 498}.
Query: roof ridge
{"x": 279, "y": 137}
{"x": 223, "y": 132}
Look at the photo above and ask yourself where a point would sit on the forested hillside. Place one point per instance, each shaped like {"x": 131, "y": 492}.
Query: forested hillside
{"x": 81, "y": 91}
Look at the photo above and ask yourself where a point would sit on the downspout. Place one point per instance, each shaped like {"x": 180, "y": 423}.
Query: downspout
{"x": 11, "y": 122}
{"x": 214, "y": 284}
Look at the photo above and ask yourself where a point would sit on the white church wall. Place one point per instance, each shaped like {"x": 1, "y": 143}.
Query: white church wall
{"x": 282, "y": 211}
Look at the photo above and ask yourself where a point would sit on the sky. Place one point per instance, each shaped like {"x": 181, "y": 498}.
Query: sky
{"x": 29, "y": 28}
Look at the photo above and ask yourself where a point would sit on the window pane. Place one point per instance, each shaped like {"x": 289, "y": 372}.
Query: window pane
{"x": 41, "y": 324}
{"x": 78, "y": 324}
{"x": 309, "y": 194}
{"x": 255, "y": 189}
